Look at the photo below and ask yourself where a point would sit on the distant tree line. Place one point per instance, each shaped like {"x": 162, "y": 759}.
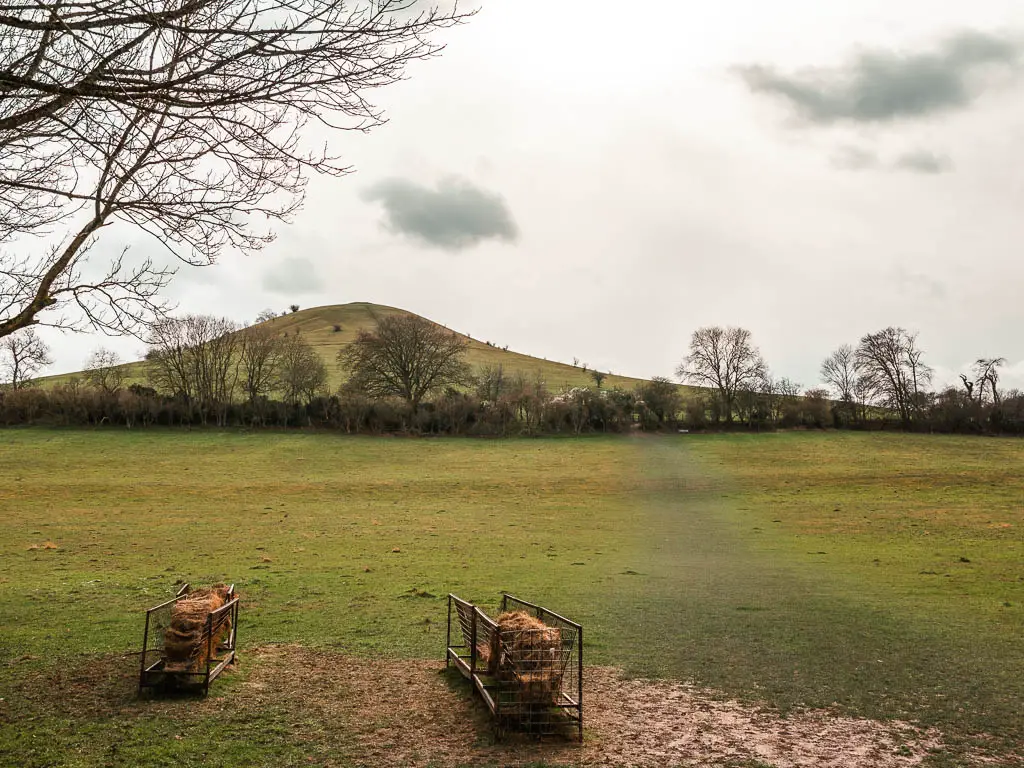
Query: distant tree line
{"x": 882, "y": 382}
{"x": 410, "y": 375}
{"x": 884, "y": 379}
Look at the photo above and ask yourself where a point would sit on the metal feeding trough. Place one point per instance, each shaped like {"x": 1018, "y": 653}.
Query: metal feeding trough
{"x": 186, "y": 646}
{"x": 529, "y": 673}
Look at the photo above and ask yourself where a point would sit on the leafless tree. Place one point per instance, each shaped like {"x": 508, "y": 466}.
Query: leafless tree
{"x": 302, "y": 374}
{"x": 528, "y": 397}
{"x": 891, "y": 368}
{"x": 968, "y": 386}
{"x": 216, "y": 366}
{"x": 184, "y": 118}
{"x": 839, "y": 371}
{"x": 726, "y": 360}
{"x": 169, "y": 359}
{"x": 778, "y": 396}
{"x": 787, "y": 387}
{"x": 266, "y": 315}
{"x": 22, "y": 356}
{"x": 491, "y": 383}
{"x": 986, "y": 373}
{"x": 195, "y": 358}
{"x": 104, "y": 372}
{"x": 405, "y": 356}
{"x": 259, "y": 351}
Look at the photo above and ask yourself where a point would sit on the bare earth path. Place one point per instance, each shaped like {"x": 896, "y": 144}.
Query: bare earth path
{"x": 629, "y": 723}
{"x": 348, "y": 711}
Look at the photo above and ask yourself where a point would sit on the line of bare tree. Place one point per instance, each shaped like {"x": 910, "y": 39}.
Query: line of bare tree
{"x": 415, "y": 370}
{"x": 886, "y": 373}
{"x": 207, "y": 362}
{"x": 725, "y": 361}
{"x": 883, "y": 377}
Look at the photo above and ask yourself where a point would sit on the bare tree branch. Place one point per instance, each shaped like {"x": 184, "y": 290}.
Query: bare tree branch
{"x": 183, "y": 118}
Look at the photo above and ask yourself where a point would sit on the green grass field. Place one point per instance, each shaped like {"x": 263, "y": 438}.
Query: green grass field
{"x": 880, "y": 574}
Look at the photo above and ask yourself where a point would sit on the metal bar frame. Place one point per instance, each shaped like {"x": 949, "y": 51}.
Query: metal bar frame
{"x": 148, "y": 675}
{"x": 474, "y": 620}
{"x": 452, "y": 654}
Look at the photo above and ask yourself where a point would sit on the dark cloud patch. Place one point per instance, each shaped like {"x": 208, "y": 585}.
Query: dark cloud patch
{"x": 455, "y": 215}
{"x": 923, "y": 161}
{"x": 291, "y": 276}
{"x": 883, "y": 86}
{"x": 853, "y": 158}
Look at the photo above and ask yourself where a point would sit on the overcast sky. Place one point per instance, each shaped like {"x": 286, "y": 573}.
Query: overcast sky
{"x": 597, "y": 179}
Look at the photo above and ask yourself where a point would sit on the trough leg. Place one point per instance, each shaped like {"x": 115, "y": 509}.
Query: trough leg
{"x": 579, "y": 675}
{"x": 448, "y": 635}
{"x": 234, "y": 634}
{"x": 209, "y": 653}
{"x": 142, "y": 661}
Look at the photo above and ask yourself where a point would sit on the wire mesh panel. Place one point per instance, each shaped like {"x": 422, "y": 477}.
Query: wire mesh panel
{"x": 189, "y": 640}
{"x": 549, "y": 666}
{"x": 527, "y": 665}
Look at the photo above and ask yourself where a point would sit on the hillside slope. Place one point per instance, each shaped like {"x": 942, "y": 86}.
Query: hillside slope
{"x": 317, "y": 326}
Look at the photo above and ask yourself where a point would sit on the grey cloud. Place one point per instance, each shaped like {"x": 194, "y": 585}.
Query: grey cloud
{"x": 453, "y": 216}
{"x": 854, "y": 159}
{"x": 882, "y": 86}
{"x": 293, "y": 275}
{"x": 923, "y": 161}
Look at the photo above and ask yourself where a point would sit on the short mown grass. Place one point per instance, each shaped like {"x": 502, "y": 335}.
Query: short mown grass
{"x": 880, "y": 574}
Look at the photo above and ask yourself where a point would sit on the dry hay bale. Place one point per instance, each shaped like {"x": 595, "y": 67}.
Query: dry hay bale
{"x": 540, "y": 686}
{"x": 528, "y": 642}
{"x": 529, "y": 652}
{"x": 187, "y": 644}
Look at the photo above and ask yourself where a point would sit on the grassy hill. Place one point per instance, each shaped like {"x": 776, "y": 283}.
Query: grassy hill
{"x": 317, "y": 326}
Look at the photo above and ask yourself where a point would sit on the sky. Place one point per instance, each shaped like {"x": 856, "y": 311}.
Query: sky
{"x": 596, "y": 180}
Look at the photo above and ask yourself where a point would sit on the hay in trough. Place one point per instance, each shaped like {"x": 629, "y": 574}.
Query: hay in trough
{"x": 191, "y": 638}
{"x": 526, "y": 650}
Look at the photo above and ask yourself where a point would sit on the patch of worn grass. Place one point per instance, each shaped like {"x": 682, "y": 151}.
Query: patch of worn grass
{"x": 805, "y": 575}
{"x": 788, "y": 569}
{"x": 306, "y": 526}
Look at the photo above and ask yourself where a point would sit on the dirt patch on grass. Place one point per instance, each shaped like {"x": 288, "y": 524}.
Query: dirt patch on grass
{"x": 661, "y": 723}
{"x": 97, "y": 686}
{"x": 403, "y": 713}
{"x": 346, "y": 711}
